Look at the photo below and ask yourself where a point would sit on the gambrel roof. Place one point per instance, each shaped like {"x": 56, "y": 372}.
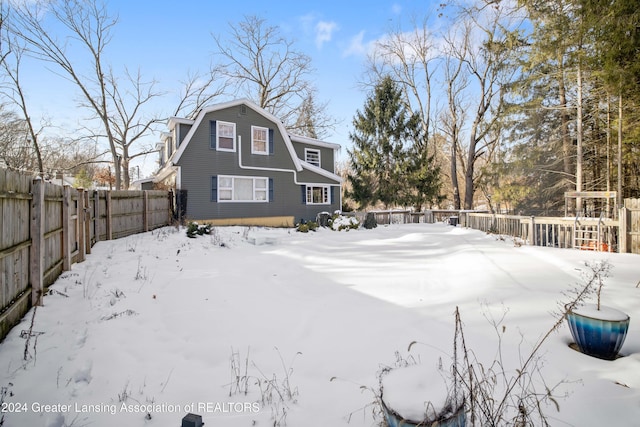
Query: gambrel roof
{"x": 298, "y": 164}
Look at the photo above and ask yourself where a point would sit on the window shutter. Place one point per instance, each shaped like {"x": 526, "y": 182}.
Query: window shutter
{"x": 304, "y": 194}
{"x": 214, "y": 188}
{"x": 270, "y": 141}
{"x": 271, "y": 189}
{"x": 332, "y": 194}
{"x": 212, "y": 130}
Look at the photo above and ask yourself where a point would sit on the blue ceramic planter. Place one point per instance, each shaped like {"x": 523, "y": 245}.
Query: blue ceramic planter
{"x": 457, "y": 419}
{"x": 598, "y": 337}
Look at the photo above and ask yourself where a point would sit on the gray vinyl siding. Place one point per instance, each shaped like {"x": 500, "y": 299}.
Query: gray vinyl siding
{"x": 199, "y": 163}
{"x": 307, "y": 176}
{"x": 183, "y": 129}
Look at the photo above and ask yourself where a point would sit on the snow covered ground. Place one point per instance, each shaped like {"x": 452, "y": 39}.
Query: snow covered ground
{"x": 157, "y": 325}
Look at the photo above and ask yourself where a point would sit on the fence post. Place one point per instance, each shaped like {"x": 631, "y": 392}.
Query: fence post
{"x": 532, "y": 231}
{"x": 66, "y": 228}
{"x": 96, "y": 215}
{"x": 87, "y": 222}
{"x": 81, "y": 218}
{"x": 107, "y": 220}
{"x": 622, "y": 230}
{"x": 145, "y": 210}
{"x": 36, "y": 263}
{"x": 171, "y": 218}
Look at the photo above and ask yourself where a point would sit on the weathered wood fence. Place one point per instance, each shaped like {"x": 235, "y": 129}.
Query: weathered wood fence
{"x": 46, "y": 228}
{"x": 614, "y": 235}
{"x": 548, "y": 231}
{"x": 406, "y": 216}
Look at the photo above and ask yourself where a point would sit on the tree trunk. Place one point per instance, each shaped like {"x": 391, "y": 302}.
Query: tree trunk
{"x": 620, "y": 150}
{"x": 469, "y": 186}
{"x": 454, "y": 175}
{"x": 579, "y": 140}
{"x": 567, "y": 145}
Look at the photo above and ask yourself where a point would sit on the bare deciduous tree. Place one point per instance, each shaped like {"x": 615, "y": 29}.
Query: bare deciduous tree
{"x": 265, "y": 67}
{"x": 198, "y": 90}
{"x": 128, "y": 121}
{"x": 453, "y": 118}
{"x": 87, "y": 26}
{"x": 12, "y": 89}
{"x": 312, "y": 119}
{"x": 411, "y": 59}
{"x": 119, "y": 103}
{"x": 490, "y": 45}
{"x": 15, "y": 151}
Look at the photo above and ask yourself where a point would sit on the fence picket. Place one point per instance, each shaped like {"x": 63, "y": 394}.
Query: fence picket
{"x": 45, "y": 228}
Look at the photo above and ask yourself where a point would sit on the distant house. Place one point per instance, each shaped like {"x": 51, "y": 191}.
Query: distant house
{"x": 235, "y": 163}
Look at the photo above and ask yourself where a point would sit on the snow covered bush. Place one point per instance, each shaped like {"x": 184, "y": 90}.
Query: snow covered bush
{"x": 194, "y": 229}
{"x": 340, "y": 222}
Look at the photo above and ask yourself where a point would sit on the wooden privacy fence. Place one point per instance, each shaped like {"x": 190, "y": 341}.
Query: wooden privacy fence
{"x": 46, "y": 228}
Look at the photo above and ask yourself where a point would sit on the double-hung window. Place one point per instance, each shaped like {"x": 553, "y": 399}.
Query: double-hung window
{"x": 243, "y": 189}
{"x": 259, "y": 140}
{"x": 318, "y": 195}
{"x": 225, "y": 136}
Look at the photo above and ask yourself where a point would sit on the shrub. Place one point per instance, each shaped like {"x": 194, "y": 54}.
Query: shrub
{"x": 306, "y": 226}
{"x": 194, "y": 229}
{"x": 340, "y": 222}
{"x": 370, "y": 221}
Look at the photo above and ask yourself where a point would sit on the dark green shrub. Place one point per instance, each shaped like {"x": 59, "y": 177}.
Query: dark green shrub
{"x": 193, "y": 229}
{"x": 370, "y": 221}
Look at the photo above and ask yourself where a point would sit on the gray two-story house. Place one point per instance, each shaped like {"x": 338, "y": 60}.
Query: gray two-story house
{"x": 235, "y": 163}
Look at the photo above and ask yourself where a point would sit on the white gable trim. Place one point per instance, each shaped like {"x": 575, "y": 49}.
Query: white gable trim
{"x": 198, "y": 121}
{"x": 320, "y": 171}
{"x": 314, "y": 142}
{"x": 173, "y": 121}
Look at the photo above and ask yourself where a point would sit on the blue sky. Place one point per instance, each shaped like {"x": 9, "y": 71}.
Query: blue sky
{"x": 166, "y": 40}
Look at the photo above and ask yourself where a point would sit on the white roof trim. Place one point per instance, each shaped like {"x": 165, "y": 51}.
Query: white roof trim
{"x": 312, "y": 141}
{"x": 173, "y": 121}
{"x": 165, "y": 172}
{"x": 321, "y": 171}
{"x": 202, "y": 113}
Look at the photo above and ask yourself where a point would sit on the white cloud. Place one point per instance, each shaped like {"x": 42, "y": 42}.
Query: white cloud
{"x": 324, "y": 31}
{"x": 396, "y": 9}
{"x": 306, "y": 21}
{"x": 356, "y": 46}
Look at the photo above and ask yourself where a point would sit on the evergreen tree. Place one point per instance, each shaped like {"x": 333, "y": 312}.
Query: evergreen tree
{"x": 385, "y": 168}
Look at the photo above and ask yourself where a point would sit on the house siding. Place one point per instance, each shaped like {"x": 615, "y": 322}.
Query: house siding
{"x": 327, "y": 160}
{"x": 199, "y": 163}
{"x": 183, "y": 130}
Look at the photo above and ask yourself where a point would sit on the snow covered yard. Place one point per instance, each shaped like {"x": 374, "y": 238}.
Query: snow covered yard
{"x": 156, "y": 325}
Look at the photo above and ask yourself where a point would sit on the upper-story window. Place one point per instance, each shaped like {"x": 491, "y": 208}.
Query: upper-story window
{"x": 312, "y": 156}
{"x": 259, "y": 140}
{"x": 223, "y": 135}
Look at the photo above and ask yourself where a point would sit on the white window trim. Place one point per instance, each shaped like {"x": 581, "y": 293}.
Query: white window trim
{"x": 306, "y": 156}
{"x": 326, "y": 191}
{"x": 218, "y": 148}
{"x": 266, "y": 142}
{"x": 254, "y": 178}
